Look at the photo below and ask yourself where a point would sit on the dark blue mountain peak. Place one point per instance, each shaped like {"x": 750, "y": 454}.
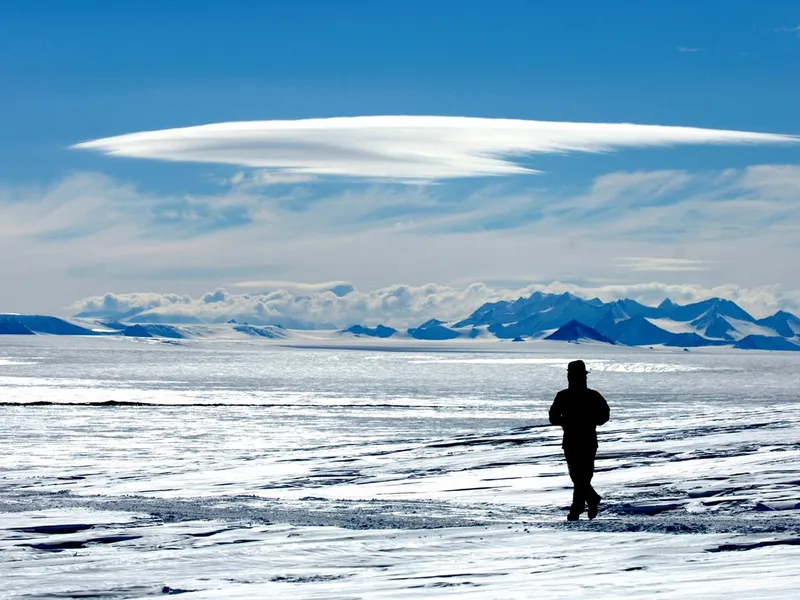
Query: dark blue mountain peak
{"x": 720, "y": 306}
{"x": 11, "y": 326}
{"x": 714, "y": 325}
{"x": 51, "y": 325}
{"x": 575, "y": 331}
{"x": 433, "y": 330}
{"x": 381, "y": 331}
{"x": 431, "y": 323}
{"x": 137, "y": 331}
{"x": 568, "y": 297}
{"x": 667, "y": 304}
{"x": 784, "y": 323}
{"x": 153, "y": 330}
{"x": 763, "y": 342}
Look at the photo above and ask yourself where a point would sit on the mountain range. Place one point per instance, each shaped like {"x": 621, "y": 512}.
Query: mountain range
{"x": 564, "y": 317}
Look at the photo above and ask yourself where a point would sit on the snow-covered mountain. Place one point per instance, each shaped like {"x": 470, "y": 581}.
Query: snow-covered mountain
{"x": 575, "y": 331}
{"x": 433, "y": 330}
{"x": 785, "y": 324}
{"x": 9, "y": 325}
{"x": 381, "y": 331}
{"x": 566, "y": 317}
{"x": 14, "y": 324}
{"x": 47, "y": 324}
{"x": 712, "y": 322}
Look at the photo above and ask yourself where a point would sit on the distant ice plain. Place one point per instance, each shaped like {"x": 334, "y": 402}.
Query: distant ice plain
{"x": 233, "y": 470}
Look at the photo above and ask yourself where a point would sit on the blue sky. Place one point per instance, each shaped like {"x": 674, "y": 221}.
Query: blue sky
{"x": 85, "y": 223}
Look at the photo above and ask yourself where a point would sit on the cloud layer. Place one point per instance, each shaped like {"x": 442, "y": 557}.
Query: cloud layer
{"x": 402, "y": 148}
{"x": 677, "y": 227}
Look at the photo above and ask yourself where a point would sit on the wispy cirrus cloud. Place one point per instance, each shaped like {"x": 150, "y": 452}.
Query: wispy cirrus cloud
{"x": 402, "y": 148}
{"x": 263, "y": 178}
{"x": 795, "y": 29}
{"x": 689, "y": 49}
{"x": 88, "y": 234}
{"x": 338, "y": 288}
{"x": 650, "y": 264}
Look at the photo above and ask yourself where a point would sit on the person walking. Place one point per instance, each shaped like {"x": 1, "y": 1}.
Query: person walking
{"x": 579, "y": 410}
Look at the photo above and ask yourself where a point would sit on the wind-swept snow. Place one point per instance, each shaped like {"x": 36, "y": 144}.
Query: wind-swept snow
{"x": 230, "y": 470}
{"x": 743, "y": 328}
{"x": 673, "y": 326}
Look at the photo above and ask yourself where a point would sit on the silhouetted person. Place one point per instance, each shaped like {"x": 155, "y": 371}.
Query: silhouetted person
{"x": 579, "y": 410}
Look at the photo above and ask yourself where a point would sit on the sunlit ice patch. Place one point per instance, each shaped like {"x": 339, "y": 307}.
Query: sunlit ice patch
{"x": 10, "y": 362}
{"x": 642, "y": 367}
{"x": 491, "y": 361}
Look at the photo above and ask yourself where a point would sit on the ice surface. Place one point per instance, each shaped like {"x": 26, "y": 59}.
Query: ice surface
{"x": 221, "y": 470}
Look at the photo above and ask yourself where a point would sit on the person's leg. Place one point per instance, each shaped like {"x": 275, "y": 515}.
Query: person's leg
{"x": 577, "y": 492}
{"x": 580, "y": 473}
{"x": 592, "y": 497}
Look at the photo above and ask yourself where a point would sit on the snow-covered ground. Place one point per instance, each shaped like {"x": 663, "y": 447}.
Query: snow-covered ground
{"x": 214, "y": 469}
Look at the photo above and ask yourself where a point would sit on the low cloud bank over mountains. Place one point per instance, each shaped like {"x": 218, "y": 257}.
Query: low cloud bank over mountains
{"x": 438, "y": 313}
{"x": 339, "y": 304}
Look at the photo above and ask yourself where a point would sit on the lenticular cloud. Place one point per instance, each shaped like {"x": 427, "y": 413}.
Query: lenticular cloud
{"x": 405, "y": 148}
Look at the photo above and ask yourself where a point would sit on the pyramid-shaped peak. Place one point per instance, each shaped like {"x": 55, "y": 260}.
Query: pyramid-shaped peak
{"x": 709, "y": 307}
{"x": 523, "y": 300}
{"x": 575, "y": 331}
{"x": 723, "y": 302}
{"x": 666, "y": 304}
{"x": 431, "y": 323}
{"x": 784, "y": 323}
{"x": 626, "y": 302}
{"x": 732, "y": 309}
{"x": 568, "y": 296}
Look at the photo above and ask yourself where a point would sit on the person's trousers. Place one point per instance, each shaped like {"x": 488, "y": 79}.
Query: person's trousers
{"x": 580, "y": 462}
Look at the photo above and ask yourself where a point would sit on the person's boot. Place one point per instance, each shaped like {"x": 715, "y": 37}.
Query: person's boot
{"x": 594, "y": 504}
{"x": 575, "y": 510}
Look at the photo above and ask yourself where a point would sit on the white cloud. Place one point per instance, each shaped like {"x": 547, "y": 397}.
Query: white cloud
{"x": 623, "y": 189}
{"x": 403, "y": 148}
{"x": 789, "y": 30}
{"x": 262, "y": 178}
{"x": 772, "y": 181}
{"x": 689, "y": 49}
{"x": 340, "y": 288}
{"x": 651, "y": 264}
{"x": 88, "y": 234}
{"x": 405, "y": 305}
{"x": 139, "y": 300}
{"x": 397, "y": 304}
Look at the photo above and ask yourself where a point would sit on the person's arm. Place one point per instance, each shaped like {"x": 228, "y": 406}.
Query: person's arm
{"x": 556, "y": 411}
{"x": 601, "y": 411}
